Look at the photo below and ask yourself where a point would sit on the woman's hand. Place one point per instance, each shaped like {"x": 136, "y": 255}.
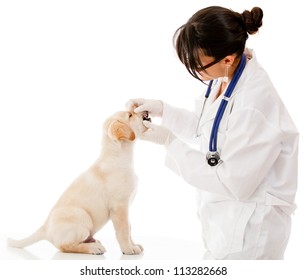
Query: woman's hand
{"x": 154, "y": 107}
{"x": 157, "y": 134}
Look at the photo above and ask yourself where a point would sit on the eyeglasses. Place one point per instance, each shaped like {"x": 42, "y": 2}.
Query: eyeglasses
{"x": 203, "y": 68}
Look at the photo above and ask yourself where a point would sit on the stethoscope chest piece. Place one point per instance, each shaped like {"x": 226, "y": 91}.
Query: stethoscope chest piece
{"x": 213, "y": 158}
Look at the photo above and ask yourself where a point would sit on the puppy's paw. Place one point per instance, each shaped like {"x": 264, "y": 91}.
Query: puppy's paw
{"x": 133, "y": 250}
{"x": 138, "y": 245}
{"x": 96, "y": 248}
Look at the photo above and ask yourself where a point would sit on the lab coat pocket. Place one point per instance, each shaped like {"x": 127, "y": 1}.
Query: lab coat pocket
{"x": 224, "y": 225}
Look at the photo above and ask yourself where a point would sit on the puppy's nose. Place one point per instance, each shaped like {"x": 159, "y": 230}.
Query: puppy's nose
{"x": 145, "y": 116}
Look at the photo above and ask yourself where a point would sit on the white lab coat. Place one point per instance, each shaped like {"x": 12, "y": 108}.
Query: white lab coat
{"x": 245, "y": 202}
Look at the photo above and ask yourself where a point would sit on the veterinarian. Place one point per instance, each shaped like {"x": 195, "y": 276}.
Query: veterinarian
{"x": 245, "y": 170}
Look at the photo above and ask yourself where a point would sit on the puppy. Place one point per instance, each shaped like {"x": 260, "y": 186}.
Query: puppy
{"x": 104, "y": 192}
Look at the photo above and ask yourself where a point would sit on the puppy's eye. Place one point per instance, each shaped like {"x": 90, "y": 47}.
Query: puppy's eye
{"x": 130, "y": 115}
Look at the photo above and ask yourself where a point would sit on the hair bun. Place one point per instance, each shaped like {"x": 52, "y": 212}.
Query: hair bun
{"x": 252, "y": 19}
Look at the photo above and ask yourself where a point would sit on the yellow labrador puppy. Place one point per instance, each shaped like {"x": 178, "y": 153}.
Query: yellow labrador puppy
{"x": 104, "y": 192}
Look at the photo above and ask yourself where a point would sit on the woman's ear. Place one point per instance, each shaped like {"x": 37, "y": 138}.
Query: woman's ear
{"x": 229, "y": 60}
{"x": 121, "y": 131}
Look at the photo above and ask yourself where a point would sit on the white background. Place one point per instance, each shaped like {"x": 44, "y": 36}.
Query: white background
{"x": 65, "y": 66}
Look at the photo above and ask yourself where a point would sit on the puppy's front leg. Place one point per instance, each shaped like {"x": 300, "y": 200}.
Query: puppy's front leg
{"x": 120, "y": 219}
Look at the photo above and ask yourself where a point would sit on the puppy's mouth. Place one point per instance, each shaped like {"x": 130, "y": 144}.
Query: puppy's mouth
{"x": 145, "y": 116}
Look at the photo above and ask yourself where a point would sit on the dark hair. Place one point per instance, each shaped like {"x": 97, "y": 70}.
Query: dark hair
{"x": 216, "y": 31}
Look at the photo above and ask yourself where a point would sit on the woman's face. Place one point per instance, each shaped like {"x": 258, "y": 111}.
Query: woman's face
{"x": 212, "y": 72}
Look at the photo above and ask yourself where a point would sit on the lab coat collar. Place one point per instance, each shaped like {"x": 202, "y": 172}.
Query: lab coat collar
{"x": 212, "y": 103}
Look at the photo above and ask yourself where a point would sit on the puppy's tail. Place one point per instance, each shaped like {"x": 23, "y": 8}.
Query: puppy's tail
{"x": 33, "y": 238}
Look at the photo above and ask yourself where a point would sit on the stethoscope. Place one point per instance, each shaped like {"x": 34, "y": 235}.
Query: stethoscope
{"x": 213, "y": 157}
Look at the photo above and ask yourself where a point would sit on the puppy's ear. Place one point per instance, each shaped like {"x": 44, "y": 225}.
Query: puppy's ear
{"x": 121, "y": 131}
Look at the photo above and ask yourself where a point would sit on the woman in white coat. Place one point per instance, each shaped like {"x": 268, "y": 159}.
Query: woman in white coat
{"x": 245, "y": 198}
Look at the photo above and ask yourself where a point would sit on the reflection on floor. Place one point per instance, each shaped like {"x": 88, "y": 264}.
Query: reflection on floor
{"x": 155, "y": 248}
